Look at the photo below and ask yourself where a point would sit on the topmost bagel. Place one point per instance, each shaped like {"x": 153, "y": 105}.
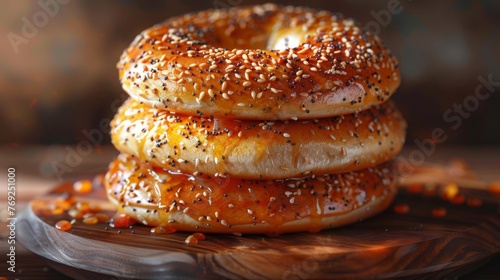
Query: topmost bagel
{"x": 259, "y": 62}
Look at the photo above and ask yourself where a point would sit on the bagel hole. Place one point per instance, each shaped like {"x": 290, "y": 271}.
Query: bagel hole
{"x": 274, "y": 40}
{"x": 283, "y": 40}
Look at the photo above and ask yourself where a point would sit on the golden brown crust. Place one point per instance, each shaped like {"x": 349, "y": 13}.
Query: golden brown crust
{"x": 221, "y": 63}
{"x": 258, "y": 149}
{"x": 156, "y": 197}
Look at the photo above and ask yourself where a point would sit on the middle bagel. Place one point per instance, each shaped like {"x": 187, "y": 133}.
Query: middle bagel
{"x": 251, "y": 149}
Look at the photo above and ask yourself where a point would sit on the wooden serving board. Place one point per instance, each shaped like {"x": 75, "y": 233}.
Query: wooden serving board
{"x": 415, "y": 244}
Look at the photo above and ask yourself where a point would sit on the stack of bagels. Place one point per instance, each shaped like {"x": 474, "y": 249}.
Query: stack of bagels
{"x": 260, "y": 119}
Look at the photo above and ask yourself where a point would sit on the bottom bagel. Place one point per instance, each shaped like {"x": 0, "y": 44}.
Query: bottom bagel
{"x": 156, "y": 197}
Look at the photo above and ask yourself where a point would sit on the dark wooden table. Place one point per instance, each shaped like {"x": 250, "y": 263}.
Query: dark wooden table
{"x": 35, "y": 176}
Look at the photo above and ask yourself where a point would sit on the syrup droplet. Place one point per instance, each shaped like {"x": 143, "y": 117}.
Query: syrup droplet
{"x": 75, "y": 213}
{"x": 194, "y": 238}
{"x": 162, "y": 229}
{"x": 200, "y": 236}
{"x": 91, "y": 220}
{"x": 191, "y": 240}
{"x": 87, "y": 207}
{"x": 102, "y": 217}
{"x": 63, "y": 225}
{"x": 83, "y": 186}
{"x": 121, "y": 220}
{"x": 62, "y": 203}
{"x": 57, "y": 211}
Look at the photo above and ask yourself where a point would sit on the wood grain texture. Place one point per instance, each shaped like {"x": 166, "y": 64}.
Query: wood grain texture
{"x": 415, "y": 244}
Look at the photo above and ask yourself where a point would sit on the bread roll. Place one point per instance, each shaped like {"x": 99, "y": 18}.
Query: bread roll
{"x": 258, "y": 149}
{"x": 156, "y": 197}
{"x": 261, "y": 62}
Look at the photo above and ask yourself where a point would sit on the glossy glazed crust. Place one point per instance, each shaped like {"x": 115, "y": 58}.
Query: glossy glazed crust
{"x": 258, "y": 149}
{"x": 260, "y": 62}
{"x": 156, "y": 197}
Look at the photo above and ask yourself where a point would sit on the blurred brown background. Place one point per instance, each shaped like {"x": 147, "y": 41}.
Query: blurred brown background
{"x": 58, "y": 78}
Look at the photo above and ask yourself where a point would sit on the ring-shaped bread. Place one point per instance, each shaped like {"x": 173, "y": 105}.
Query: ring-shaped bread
{"x": 156, "y": 197}
{"x": 260, "y": 62}
{"x": 258, "y": 149}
